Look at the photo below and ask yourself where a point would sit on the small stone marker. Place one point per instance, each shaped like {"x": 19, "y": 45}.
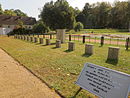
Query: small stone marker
{"x": 48, "y": 42}
{"x": 113, "y": 53}
{"x": 60, "y": 35}
{"x": 31, "y": 39}
{"x": 41, "y": 40}
{"x": 16, "y": 36}
{"x": 58, "y": 44}
{"x": 71, "y": 46}
{"x": 104, "y": 82}
{"x": 35, "y": 40}
{"x": 19, "y": 36}
{"x": 24, "y": 37}
{"x": 27, "y": 38}
{"x": 89, "y": 49}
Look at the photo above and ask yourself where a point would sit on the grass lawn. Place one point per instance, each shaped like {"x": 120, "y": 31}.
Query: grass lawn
{"x": 58, "y": 67}
{"x": 102, "y": 31}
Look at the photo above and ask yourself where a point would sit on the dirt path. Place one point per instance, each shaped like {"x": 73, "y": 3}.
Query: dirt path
{"x": 17, "y": 82}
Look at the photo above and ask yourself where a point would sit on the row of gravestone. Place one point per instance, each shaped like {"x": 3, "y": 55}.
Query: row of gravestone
{"x": 113, "y": 52}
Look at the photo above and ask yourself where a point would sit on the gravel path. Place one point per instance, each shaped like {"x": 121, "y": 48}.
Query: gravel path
{"x": 17, "y": 82}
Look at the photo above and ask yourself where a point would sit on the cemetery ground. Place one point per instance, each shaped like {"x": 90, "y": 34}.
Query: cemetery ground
{"x": 60, "y": 68}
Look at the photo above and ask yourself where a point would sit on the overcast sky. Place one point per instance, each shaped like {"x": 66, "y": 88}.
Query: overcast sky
{"x": 31, "y": 7}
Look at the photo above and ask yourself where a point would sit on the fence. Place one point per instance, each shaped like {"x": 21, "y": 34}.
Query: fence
{"x": 111, "y": 40}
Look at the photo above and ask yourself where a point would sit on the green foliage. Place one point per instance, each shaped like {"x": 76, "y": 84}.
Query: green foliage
{"x": 19, "y": 13}
{"x": 20, "y": 31}
{"x": 10, "y": 12}
{"x": 104, "y": 15}
{"x": 40, "y": 27}
{"x": 78, "y": 26}
{"x": 13, "y": 12}
{"x": 58, "y": 15}
{"x": 1, "y": 10}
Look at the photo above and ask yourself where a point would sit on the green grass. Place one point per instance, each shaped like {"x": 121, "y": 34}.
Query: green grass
{"x": 102, "y": 31}
{"x": 59, "y": 68}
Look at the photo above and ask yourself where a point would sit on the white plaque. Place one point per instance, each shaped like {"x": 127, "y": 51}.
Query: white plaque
{"x": 104, "y": 82}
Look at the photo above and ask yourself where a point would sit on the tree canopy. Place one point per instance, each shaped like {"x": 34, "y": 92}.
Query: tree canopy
{"x": 58, "y": 15}
{"x": 105, "y": 15}
{"x": 12, "y": 12}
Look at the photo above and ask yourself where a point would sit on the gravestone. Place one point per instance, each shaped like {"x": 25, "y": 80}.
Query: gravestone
{"x": 58, "y": 44}
{"x": 48, "y": 42}
{"x": 60, "y": 35}
{"x": 89, "y": 49}
{"x": 71, "y": 46}
{"x": 16, "y": 36}
{"x": 113, "y": 53}
{"x": 24, "y": 37}
{"x": 31, "y": 39}
{"x": 41, "y": 40}
{"x": 27, "y": 38}
{"x": 35, "y": 40}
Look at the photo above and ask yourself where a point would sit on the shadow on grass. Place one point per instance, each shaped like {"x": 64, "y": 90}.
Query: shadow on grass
{"x": 67, "y": 51}
{"x": 100, "y": 46}
{"x": 54, "y": 48}
{"x": 128, "y": 50}
{"x": 111, "y": 61}
{"x": 86, "y": 55}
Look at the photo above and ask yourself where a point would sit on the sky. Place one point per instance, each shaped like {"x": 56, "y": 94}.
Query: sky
{"x": 32, "y": 7}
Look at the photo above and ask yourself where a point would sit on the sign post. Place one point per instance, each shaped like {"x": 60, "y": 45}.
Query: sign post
{"x": 104, "y": 82}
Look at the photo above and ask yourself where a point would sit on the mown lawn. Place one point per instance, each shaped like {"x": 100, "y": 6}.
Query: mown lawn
{"x": 102, "y": 31}
{"x": 58, "y": 67}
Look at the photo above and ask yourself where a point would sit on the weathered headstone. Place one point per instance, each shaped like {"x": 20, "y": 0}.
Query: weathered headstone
{"x": 113, "y": 53}
{"x": 60, "y": 35}
{"x": 16, "y": 36}
{"x": 48, "y": 42}
{"x": 19, "y": 36}
{"x": 24, "y": 37}
{"x": 89, "y": 49}
{"x": 58, "y": 44}
{"x": 35, "y": 40}
{"x": 27, "y": 38}
{"x": 41, "y": 40}
{"x": 31, "y": 39}
{"x": 71, "y": 46}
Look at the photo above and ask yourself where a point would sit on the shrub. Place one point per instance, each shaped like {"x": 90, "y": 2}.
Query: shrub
{"x": 78, "y": 26}
{"x": 40, "y": 27}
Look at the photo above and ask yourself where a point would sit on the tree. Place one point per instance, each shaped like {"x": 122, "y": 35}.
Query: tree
{"x": 19, "y": 13}
{"x": 10, "y": 12}
{"x": 40, "y": 27}
{"x": 78, "y": 26}
{"x": 120, "y": 15}
{"x": 58, "y": 15}
{"x": 1, "y": 10}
